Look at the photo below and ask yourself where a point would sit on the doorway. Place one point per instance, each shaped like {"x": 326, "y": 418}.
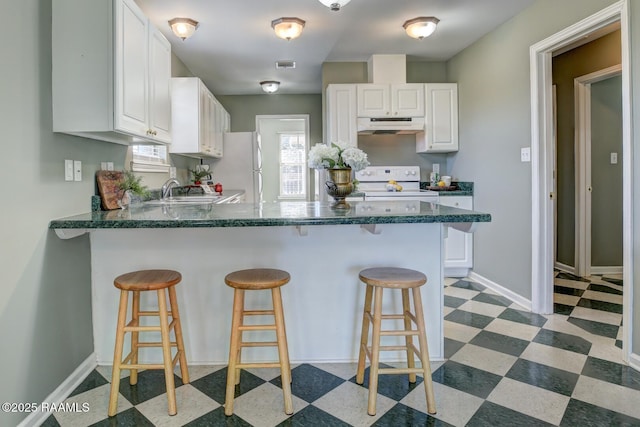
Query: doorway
{"x": 542, "y": 160}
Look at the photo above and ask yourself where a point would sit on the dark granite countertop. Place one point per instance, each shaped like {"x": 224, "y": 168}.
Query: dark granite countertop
{"x": 268, "y": 214}
{"x": 462, "y": 189}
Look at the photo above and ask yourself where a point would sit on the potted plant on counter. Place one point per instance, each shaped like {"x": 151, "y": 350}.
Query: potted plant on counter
{"x": 198, "y": 174}
{"x": 131, "y": 185}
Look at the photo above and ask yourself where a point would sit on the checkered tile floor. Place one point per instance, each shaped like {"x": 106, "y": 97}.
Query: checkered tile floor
{"x": 505, "y": 367}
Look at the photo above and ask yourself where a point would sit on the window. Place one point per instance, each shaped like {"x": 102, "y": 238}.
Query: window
{"x": 293, "y": 171}
{"x": 149, "y": 158}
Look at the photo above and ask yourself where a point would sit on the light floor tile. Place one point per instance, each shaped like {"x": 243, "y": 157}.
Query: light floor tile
{"x": 448, "y": 281}
{"x": 606, "y": 349}
{"x": 264, "y": 406}
{"x": 345, "y": 371}
{"x": 482, "y": 308}
{"x": 554, "y": 357}
{"x": 446, "y": 310}
{"x": 597, "y": 315}
{"x": 575, "y": 284}
{"x": 485, "y": 359}
{"x": 98, "y": 400}
{"x": 603, "y": 296}
{"x": 191, "y": 403}
{"x": 198, "y": 371}
{"x": 513, "y": 329}
{"x": 459, "y": 332}
{"x": 558, "y": 323}
{"x": 267, "y": 374}
{"x": 533, "y": 401}
{"x": 454, "y": 406}
{"x": 606, "y": 395}
{"x": 348, "y": 402}
{"x": 452, "y": 291}
{"x": 565, "y": 299}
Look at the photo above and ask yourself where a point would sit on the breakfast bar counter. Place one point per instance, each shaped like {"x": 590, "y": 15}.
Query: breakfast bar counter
{"x": 323, "y": 250}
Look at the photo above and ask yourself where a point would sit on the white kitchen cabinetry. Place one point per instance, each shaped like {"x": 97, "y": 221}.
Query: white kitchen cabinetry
{"x": 341, "y": 112}
{"x": 111, "y": 72}
{"x": 441, "y": 119}
{"x": 458, "y": 246}
{"x": 391, "y": 100}
{"x": 199, "y": 120}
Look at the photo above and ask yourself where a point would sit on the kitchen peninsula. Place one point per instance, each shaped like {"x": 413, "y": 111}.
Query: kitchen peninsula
{"x": 322, "y": 249}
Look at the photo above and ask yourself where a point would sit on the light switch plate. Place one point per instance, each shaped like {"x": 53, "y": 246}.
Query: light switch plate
{"x": 109, "y": 166}
{"x": 614, "y": 158}
{"x": 525, "y": 154}
{"x": 68, "y": 170}
{"x": 77, "y": 170}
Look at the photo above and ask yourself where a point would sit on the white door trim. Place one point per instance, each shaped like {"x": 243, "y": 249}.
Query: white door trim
{"x": 542, "y": 161}
{"x": 582, "y": 92}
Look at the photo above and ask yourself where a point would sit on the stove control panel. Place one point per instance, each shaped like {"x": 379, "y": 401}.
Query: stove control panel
{"x": 387, "y": 173}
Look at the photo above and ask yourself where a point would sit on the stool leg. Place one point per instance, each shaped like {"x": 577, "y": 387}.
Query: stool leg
{"x": 175, "y": 315}
{"x": 236, "y": 335}
{"x": 406, "y": 309}
{"x": 135, "y": 318}
{"x": 375, "y": 352}
{"x": 424, "y": 352}
{"x": 117, "y": 354}
{"x": 166, "y": 351}
{"x": 283, "y": 351}
{"x": 364, "y": 337}
{"x": 239, "y": 353}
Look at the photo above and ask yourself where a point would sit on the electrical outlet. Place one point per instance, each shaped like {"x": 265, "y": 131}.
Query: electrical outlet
{"x": 172, "y": 172}
{"x": 109, "y": 166}
{"x": 103, "y": 166}
{"x": 614, "y": 158}
{"x": 525, "y": 154}
{"x": 77, "y": 170}
{"x": 436, "y": 167}
{"x": 68, "y": 170}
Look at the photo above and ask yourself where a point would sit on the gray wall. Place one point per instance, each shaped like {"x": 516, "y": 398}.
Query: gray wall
{"x": 597, "y": 55}
{"x": 606, "y": 179}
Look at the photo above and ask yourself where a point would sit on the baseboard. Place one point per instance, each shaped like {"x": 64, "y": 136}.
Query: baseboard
{"x": 63, "y": 391}
{"x": 606, "y": 270}
{"x": 634, "y": 361}
{"x": 456, "y": 272}
{"x": 564, "y": 267}
{"x": 525, "y": 303}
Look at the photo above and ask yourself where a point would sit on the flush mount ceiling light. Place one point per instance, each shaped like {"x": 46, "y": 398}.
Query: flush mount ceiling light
{"x": 270, "y": 86}
{"x": 421, "y": 27}
{"x": 287, "y": 28}
{"x": 183, "y": 27}
{"x": 334, "y": 5}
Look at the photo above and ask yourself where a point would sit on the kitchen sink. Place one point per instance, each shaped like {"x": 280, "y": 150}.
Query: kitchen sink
{"x": 187, "y": 200}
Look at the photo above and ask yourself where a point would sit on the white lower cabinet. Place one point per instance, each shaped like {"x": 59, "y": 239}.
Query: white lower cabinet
{"x": 458, "y": 246}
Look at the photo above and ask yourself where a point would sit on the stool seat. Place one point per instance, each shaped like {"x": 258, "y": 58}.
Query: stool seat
{"x": 257, "y": 278}
{"x": 147, "y": 280}
{"x": 393, "y": 277}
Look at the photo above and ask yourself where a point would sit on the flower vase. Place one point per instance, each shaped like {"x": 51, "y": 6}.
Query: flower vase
{"x": 339, "y": 187}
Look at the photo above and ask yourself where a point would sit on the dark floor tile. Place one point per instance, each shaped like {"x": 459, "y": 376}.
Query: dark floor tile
{"x": 596, "y": 328}
{"x": 50, "y": 422}
{"x": 92, "y": 381}
{"x": 129, "y": 418}
{"x": 568, "y": 276}
{"x": 619, "y": 343}
{"x": 604, "y": 288}
{"x": 557, "y": 289}
{"x": 466, "y": 378}
{"x": 451, "y": 347}
{"x": 470, "y": 319}
{"x": 150, "y": 384}
{"x": 310, "y": 383}
{"x": 563, "y": 341}
{"x": 615, "y": 373}
{"x": 584, "y": 414}
{"x": 218, "y": 418}
{"x": 394, "y": 386}
{"x": 310, "y": 416}
{"x": 562, "y": 309}
{"x": 404, "y": 416}
{"x": 466, "y": 284}
{"x": 543, "y": 376}
{"x": 612, "y": 280}
{"x": 214, "y": 385}
{"x": 600, "y": 305}
{"x": 499, "y": 342}
{"x": 453, "y": 302}
{"x": 525, "y": 317}
{"x": 493, "y": 299}
{"x": 490, "y": 415}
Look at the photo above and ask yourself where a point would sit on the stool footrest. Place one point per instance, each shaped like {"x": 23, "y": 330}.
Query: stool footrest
{"x": 259, "y": 344}
{"x": 132, "y": 326}
{"x": 391, "y": 348}
{"x": 257, "y": 328}
{"x": 155, "y": 344}
{"x": 258, "y": 312}
{"x": 401, "y": 371}
{"x": 153, "y": 313}
{"x": 258, "y": 365}
{"x": 399, "y": 333}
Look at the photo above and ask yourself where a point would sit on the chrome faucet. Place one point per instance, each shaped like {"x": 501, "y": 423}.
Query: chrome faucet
{"x": 167, "y": 186}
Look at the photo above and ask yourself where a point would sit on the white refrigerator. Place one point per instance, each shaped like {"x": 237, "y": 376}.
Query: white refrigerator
{"x": 240, "y": 167}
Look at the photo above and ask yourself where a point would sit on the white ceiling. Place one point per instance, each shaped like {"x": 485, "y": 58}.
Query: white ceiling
{"x": 234, "y": 47}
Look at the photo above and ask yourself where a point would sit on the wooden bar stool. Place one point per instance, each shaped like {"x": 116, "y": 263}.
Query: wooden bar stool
{"x": 257, "y": 279}
{"x": 394, "y": 278}
{"x": 136, "y": 282}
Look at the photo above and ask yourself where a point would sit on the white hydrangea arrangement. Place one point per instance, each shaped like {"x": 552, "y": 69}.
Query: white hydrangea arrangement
{"x": 322, "y": 156}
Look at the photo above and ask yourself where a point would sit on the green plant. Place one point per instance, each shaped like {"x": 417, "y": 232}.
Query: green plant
{"x": 198, "y": 174}
{"x": 133, "y": 183}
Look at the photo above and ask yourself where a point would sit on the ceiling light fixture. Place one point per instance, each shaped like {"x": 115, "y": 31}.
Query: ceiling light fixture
{"x": 287, "y": 28}
{"x": 421, "y": 27}
{"x": 334, "y": 5}
{"x": 270, "y": 86}
{"x": 183, "y": 27}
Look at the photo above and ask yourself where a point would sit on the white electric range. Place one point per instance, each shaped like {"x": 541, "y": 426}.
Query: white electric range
{"x": 374, "y": 180}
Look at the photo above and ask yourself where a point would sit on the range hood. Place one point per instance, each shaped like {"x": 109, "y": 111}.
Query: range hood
{"x": 390, "y": 126}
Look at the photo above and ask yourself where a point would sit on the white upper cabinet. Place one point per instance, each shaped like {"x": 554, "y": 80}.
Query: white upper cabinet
{"x": 390, "y": 100}
{"x": 198, "y": 120}
{"x": 341, "y": 113}
{"x": 111, "y": 73}
{"x": 441, "y": 119}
